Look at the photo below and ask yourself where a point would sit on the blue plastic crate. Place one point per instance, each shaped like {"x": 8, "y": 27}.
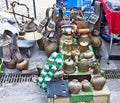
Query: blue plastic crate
{"x": 58, "y": 88}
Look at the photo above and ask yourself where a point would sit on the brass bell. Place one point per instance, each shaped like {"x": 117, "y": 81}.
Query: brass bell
{"x": 67, "y": 46}
{"x": 67, "y": 55}
{"x": 64, "y": 38}
{"x": 83, "y": 46}
{"x": 69, "y": 66}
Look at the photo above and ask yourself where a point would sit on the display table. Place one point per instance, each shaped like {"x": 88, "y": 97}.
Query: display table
{"x": 102, "y": 96}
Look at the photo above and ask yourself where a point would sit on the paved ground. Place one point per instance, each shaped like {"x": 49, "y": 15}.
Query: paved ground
{"x": 30, "y": 92}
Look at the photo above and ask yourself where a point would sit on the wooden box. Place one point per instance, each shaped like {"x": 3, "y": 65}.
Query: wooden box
{"x": 102, "y": 96}
{"x": 80, "y": 76}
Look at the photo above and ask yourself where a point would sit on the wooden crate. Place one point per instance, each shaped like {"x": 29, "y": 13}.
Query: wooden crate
{"x": 102, "y": 96}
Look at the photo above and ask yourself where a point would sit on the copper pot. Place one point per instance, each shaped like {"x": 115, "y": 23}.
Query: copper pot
{"x": 75, "y": 86}
{"x": 98, "y": 82}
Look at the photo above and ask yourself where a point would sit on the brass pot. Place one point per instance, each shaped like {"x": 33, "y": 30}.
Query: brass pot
{"x": 96, "y": 42}
{"x": 75, "y": 86}
{"x": 98, "y": 82}
{"x": 50, "y": 46}
{"x": 69, "y": 66}
{"x": 83, "y": 65}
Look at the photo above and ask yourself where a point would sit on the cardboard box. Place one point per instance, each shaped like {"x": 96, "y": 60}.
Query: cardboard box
{"x": 102, "y": 96}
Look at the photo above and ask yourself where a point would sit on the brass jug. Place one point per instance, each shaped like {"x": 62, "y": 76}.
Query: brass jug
{"x": 69, "y": 66}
